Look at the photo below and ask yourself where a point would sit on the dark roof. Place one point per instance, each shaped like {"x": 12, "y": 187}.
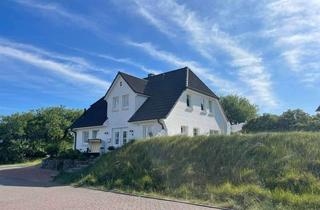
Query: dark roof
{"x": 318, "y": 110}
{"x": 96, "y": 115}
{"x": 164, "y": 90}
{"x": 136, "y": 84}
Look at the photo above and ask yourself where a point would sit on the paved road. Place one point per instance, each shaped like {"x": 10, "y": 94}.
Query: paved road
{"x": 31, "y": 188}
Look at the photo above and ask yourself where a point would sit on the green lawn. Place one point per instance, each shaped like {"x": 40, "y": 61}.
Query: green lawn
{"x": 254, "y": 171}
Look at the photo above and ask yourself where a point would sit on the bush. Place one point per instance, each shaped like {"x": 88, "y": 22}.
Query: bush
{"x": 52, "y": 150}
{"x": 72, "y": 155}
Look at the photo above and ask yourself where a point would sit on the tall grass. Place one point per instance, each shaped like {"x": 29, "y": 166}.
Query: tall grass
{"x": 254, "y": 171}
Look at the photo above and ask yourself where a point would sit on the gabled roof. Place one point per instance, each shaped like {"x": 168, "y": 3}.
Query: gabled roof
{"x": 136, "y": 84}
{"x": 318, "y": 110}
{"x": 164, "y": 90}
{"x": 96, "y": 115}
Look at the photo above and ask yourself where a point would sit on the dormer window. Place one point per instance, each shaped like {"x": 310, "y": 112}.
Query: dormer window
{"x": 188, "y": 101}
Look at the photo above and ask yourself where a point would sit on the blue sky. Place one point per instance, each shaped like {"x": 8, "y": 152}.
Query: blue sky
{"x": 68, "y": 52}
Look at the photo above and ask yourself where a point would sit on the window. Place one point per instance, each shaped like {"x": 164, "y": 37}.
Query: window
{"x": 147, "y": 131}
{"x": 125, "y": 101}
{"x": 211, "y": 132}
{"x": 125, "y": 137}
{"x": 85, "y": 136}
{"x": 196, "y": 132}
{"x": 184, "y": 130}
{"x": 188, "y": 101}
{"x": 210, "y": 106}
{"x": 115, "y": 103}
{"x": 116, "y": 137}
{"x": 120, "y": 83}
{"x": 202, "y": 104}
{"x": 94, "y": 134}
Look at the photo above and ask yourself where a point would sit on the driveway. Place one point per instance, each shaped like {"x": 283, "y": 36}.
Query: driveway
{"x": 31, "y": 188}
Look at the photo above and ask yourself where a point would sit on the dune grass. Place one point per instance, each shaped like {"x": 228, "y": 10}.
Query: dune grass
{"x": 254, "y": 171}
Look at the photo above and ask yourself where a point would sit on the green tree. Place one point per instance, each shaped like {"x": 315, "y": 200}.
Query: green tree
{"x": 27, "y": 135}
{"x": 266, "y": 122}
{"x": 238, "y": 109}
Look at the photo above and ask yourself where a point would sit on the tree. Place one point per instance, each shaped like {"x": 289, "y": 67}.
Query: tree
{"x": 27, "y": 135}
{"x": 266, "y": 122}
{"x": 238, "y": 109}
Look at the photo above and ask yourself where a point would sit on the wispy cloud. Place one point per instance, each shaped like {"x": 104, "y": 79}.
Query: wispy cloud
{"x": 206, "y": 37}
{"x": 55, "y": 10}
{"x": 126, "y": 61}
{"x": 295, "y": 28}
{"x": 47, "y": 61}
{"x": 224, "y": 85}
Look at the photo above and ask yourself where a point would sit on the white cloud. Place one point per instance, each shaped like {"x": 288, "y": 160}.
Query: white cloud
{"x": 43, "y": 61}
{"x": 206, "y": 37}
{"x": 294, "y": 27}
{"x": 224, "y": 85}
{"x": 57, "y": 11}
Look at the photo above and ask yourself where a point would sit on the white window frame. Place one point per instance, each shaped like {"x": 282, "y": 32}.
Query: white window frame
{"x": 147, "y": 131}
{"x": 115, "y": 103}
{"x": 188, "y": 100}
{"x": 94, "y": 134}
{"x": 85, "y": 137}
{"x": 124, "y": 137}
{"x": 202, "y": 105}
{"x": 184, "y": 130}
{"x": 196, "y": 132}
{"x": 117, "y": 138}
{"x": 125, "y": 98}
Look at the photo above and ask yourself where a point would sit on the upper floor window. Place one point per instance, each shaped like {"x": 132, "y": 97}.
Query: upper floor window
{"x": 94, "y": 134}
{"x": 85, "y": 136}
{"x": 115, "y": 103}
{"x": 125, "y": 101}
{"x": 210, "y": 106}
{"x": 188, "y": 101}
{"x": 202, "y": 105}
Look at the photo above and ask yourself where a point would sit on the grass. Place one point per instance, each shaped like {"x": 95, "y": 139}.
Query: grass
{"x": 26, "y": 163}
{"x": 254, "y": 171}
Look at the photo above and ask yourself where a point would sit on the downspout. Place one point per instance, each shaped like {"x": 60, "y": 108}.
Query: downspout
{"x": 162, "y": 126}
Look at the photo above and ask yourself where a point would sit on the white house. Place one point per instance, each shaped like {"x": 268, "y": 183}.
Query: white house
{"x": 172, "y": 103}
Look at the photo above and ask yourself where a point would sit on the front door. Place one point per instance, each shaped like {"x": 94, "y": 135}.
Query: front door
{"x": 119, "y": 136}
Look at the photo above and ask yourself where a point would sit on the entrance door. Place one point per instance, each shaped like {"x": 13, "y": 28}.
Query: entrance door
{"x": 119, "y": 136}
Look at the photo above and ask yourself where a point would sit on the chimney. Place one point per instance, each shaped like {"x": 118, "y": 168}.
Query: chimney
{"x": 150, "y": 75}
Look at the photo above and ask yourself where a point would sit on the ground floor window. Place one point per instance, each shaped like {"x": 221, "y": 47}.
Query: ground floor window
{"x": 125, "y": 137}
{"x": 184, "y": 130}
{"x": 94, "y": 134}
{"x": 116, "y": 137}
{"x": 147, "y": 131}
{"x": 213, "y": 132}
{"x": 196, "y": 132}
{"x": 85, "y": 136}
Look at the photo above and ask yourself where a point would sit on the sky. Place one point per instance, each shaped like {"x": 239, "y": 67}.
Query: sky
{"x": 68, "y": 52}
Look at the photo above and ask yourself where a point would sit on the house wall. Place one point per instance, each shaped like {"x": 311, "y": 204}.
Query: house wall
{"x": 82, "y": 146}
{"x": 118, "y": 119}
{"x": 193, "y": 117}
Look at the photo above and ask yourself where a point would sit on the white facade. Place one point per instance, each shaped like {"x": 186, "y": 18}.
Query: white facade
{"x": 123, "y": 102}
